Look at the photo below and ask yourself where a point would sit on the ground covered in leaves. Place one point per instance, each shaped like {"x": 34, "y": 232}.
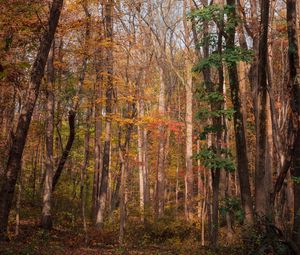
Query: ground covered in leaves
{"x": 165, "y": 239}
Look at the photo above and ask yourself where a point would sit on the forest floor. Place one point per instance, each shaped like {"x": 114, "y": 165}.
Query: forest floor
{"x": 34, "y": 241}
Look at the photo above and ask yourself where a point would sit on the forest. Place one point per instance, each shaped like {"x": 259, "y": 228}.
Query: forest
{"x": 149, "y": 127}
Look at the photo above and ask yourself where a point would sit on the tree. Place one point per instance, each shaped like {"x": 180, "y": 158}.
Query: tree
{"x": 241, "y": 146}
{"x": 294, "y": 86}
{"x": 108, "y": 7}
{"x": 19, "y": 139}
{"x": 261, "y": 199}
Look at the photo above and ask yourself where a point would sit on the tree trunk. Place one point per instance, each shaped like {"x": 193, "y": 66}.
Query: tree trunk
{"x": 108, "y": 6}
{"x": 239, "y": 127}
{"x": 160, "y": 175}
{"x": 189, "y": 175}
{"x": 294, "y": 86}
{"x": 18, "y": 204}
{"x": 261, "y": 116}
{"x": 75, "y": 103}
{"x": 98, "y": 148}
{"x": 124, "y": 158}
{"x": 46, "y": 220}
{"x": 83, "y": 174}
{"x": 143, "y": 177}
{"x": 15, "y": 154}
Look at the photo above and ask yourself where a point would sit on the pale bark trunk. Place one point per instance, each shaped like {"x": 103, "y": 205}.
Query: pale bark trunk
{"x": 98, "y": 147}
{"x": 189, "y": 175}
{"x": 189, "y": 178}
{"x": 160, "y": 176}
{"x": 143, "y": 176}
{"x": 46, "y": 220}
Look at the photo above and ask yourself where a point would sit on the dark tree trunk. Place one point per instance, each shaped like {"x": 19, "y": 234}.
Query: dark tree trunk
{"x": 75, "y": 105}
{"x": 19, "y": 139}
{"x": 294, "y": 86}
{"x": 261, "y": 199}
{"x": 239, "y": 127}
{"x": 67, "y": 149}
{"x": 217, "y": 122}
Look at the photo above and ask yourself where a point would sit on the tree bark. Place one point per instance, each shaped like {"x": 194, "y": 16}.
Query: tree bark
{"x": 239, "y": 127}
{"x": 76, "y": 102}
{"x": 261, "y": 116}
{"x": 143, "y": 178}
{"x": 98, "y": 147}
{"x": 83, "y": 174}
{"x": 46, "y": 220}
{"x": 189, "y": 175}
{"x": 160, "y": 174}
{"x": 108, "y": 6}
{"x": 294, "y": 86}
{"x": 124, "y": 158}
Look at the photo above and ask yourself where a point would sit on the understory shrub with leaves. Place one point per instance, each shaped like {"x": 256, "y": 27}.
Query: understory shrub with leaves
{"x": 264, "y": 238}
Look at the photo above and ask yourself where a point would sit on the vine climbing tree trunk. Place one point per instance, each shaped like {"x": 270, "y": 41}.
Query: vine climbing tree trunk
{"x": 46, "y": 221}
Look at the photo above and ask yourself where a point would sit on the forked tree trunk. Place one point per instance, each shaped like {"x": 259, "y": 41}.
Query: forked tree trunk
{"x": 13, "y": 166}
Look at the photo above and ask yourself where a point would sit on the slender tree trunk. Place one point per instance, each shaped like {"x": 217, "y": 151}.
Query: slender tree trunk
{"x": 122, "y": 198}
{"x": 124, "y": 151}
{"x": 18, "y": 204}
{"x": 83, "y": 174}
{"x": 189, "y": 175}
{"x": 15, "y": 154}
{"x": 46, "y": 220}
{"x": 141, "y": 158}
{"x": 160, "y": 175}
{"x": 76, "y": 102}
{"x": 98, "y": 148}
